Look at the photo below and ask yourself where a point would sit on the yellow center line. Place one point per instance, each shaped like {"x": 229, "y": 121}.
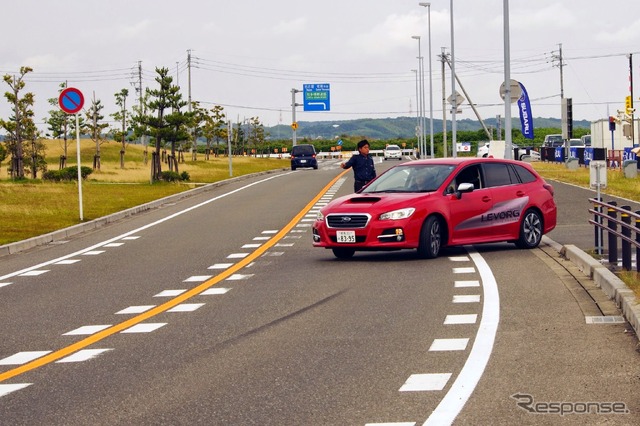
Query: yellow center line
{"x": 94, "y": 338}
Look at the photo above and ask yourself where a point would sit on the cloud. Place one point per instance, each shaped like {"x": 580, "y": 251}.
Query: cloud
{"x": 290, "y": 27}
{"x": 394, "y": 32}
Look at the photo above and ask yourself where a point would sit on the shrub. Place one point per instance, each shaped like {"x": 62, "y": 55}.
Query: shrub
{"x": 67, "y": 174}
{"x": 174, "y": 176}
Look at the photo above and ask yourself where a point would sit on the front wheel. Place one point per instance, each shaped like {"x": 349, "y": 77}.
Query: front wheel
{"x": 343, "y": 253}
{"x": 430, "y": 238}
{"x": 530, "y": 230}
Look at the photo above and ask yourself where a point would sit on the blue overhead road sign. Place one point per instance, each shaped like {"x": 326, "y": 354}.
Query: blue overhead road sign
{"x": 316, "y": 97}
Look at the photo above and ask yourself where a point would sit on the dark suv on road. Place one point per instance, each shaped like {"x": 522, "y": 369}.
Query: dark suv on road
{"x": 303, "y": 156}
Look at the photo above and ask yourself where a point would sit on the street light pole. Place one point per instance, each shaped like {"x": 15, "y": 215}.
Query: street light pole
{"x": 428, "y": 6}
{"x": 453, "y": 88}
{"x": 417, "y": 109}
{"x": 421, "y": 100}
{"x": 508, "y": 151}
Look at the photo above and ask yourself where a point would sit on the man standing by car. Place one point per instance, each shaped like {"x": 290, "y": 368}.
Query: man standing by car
{"x": 363, "y": 168}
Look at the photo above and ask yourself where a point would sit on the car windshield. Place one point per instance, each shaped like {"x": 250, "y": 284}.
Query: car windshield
{"x": 411, "y": 178}
{"x": 575, "y": 142}
{"x": 393, "y": 148}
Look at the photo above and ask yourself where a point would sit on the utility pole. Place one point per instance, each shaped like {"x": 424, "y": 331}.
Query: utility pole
{"x": 294, "y": 123}
{"x": 443, "y": 57}
{"x": 194, "y": 150}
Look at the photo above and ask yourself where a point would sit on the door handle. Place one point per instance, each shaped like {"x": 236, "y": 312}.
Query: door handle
{"x": 486, "y": 199}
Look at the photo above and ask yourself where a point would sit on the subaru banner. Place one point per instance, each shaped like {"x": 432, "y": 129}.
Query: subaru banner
{"x": 526, "y": 119}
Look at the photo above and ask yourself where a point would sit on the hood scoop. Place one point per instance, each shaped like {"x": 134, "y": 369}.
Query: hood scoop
{"x": 364, "y": 199}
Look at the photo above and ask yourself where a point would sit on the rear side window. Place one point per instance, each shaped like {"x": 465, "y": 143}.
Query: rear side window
{"x": 497, "y": 174}
{"x": 525, "y": 175}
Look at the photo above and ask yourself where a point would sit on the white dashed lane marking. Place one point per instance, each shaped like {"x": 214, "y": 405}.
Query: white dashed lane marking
{"x": 449, "y": 345}
{"x": 83, "y": 355}
{"x": 425, "y": 382}
{"x": 144, "y": 327}
{"x": 22, "y": 357}
{"x": 86, "y": 330}
{"x": 460, "y": 319}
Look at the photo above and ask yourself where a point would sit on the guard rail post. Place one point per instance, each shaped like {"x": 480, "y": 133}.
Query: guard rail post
{"x": 625, "y": 244}
{"x": 597, "y": 230}
{"x": 637, "y": 242}
{"x": 611, "y": 225}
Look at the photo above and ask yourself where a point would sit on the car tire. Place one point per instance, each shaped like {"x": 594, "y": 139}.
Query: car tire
{"x": 315, "y": 167}
{"x": 430, "y": 238}
{"x": 343, "y": 253}
{"x": 293, "y": 167}
{"x": 530, "y": 230}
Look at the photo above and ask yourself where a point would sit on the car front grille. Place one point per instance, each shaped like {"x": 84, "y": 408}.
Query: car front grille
{"x": 348, "y": 220}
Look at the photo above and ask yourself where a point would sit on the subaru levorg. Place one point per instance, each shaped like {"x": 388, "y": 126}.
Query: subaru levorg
{"x": 430, "y": 204}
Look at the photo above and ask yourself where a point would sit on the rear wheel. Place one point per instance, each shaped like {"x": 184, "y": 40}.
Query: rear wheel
{"x": 430, "y": 238}
{"x": 343, "y": 253}
{"x": 530, "y": 230}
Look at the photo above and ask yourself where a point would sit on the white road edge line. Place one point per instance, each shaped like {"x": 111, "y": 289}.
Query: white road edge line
{"x": 458, "y": 395}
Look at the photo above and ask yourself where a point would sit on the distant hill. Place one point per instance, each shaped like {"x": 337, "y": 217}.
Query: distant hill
{"x": 394, "y": 128}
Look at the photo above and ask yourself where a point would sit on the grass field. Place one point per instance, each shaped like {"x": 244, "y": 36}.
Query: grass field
{"x": 33, "y": 207}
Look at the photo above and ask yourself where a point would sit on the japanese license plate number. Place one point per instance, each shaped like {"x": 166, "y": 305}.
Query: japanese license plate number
{"x": 346, "y": 236}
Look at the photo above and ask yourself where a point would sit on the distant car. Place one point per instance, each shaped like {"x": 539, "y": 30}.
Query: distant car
{"x": 576, "y": 143}
{"x": 303, "y": 156}
{"x": 430, "y": 204}
{"x": 553, "y": 141}
{"x": 392, "y": 152}
{"x": 483, "y": 151}
{"x": 586, "y": 140}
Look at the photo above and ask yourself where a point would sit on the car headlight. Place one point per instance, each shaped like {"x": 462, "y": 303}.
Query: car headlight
{"x": 320, "y": 216}
{"x": 397, "y": 214}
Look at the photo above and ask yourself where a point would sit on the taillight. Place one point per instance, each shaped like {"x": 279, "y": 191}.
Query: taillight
{"x": 548, "y": 187}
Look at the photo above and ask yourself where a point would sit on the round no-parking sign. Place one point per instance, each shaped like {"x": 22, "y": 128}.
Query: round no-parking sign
{"x": 71, "y": 100}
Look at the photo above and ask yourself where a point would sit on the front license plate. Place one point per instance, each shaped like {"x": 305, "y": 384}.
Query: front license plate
{"x": 346, "y": 236}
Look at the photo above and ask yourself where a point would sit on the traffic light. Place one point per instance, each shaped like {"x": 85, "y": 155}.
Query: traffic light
{"x": 612, "y": 123}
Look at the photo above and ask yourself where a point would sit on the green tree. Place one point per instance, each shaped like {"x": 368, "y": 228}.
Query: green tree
{"x": 121, "y": 117}
{"x": 162, "y": 126}
{"x": 20, "y": 126}
{"x": 95, "y": 127}
{"x": 256, "y": 135}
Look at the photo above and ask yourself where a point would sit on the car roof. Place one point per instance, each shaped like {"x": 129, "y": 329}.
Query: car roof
{"x": 463, "y": 160}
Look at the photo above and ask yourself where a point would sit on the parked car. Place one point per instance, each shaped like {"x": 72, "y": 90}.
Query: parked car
{"x": 576, "y": 143}
{"x": 430, "y": 204}
{"x": 392, "y": 152}
{"x": 553, "y": 141}
{"x": 303, "y": 156}
{"x": 483, "y": 151}
{"x": 586, "y": 140}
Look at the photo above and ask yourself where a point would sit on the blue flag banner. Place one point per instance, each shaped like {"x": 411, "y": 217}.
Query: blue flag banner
{"x": 526, "y": 119}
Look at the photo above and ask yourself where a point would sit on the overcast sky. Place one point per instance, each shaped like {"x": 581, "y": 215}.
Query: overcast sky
{"x": 248, "y": 55}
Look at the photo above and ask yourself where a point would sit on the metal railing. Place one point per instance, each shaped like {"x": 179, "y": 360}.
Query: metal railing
{"x": 605, "y": 218}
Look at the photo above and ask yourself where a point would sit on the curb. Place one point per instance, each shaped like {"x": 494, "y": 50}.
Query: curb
{"x": 610, "y": 284}
{"x": 65, "y": 233}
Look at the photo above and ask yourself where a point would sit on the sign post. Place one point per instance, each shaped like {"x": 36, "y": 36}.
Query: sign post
{"x": 71, "y": 101}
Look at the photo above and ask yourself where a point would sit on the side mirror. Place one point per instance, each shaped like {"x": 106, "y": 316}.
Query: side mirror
{"x": 462, "y": 188}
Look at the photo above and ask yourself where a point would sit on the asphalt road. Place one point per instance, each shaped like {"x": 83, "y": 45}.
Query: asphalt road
{"x": 217, "y": 310}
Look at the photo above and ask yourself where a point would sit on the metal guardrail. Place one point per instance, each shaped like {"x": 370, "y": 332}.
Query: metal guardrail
{"x": 618, "y": 229}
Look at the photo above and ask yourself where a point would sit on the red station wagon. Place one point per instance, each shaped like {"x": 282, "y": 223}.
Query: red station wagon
{"x": 430, "y": 204}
